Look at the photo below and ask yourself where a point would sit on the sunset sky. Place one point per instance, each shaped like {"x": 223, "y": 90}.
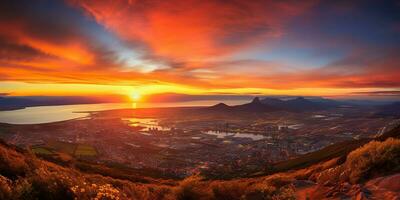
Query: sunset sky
{"x": 92, "y": 47}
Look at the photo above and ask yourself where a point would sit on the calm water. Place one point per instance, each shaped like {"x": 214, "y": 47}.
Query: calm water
{"x": 47, "y": 114}
{"x": 146, "y": 123}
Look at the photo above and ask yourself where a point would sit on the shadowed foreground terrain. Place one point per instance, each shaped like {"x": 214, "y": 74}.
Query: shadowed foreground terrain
{"x": 370, "y": 171}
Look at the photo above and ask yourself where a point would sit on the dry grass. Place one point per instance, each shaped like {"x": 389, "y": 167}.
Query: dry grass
{"x": 373, "y": 158}
{"x": 273, "y": 187}
{"x": 23, "y": 176}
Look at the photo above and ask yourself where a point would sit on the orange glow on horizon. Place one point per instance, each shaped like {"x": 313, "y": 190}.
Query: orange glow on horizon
{"x": 141, "y": 92}
{"x": 135, "y": 49}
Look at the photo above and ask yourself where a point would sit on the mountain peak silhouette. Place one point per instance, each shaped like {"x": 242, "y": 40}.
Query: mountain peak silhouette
{"x": 256, "y": 100}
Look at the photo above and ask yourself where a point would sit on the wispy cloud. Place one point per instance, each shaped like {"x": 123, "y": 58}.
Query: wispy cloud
{"x": 193, "y": 30}
{"x": 226, "y": 45}
{"x": 379, "y": 93}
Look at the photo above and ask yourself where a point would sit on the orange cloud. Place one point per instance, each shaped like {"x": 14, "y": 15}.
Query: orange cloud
{"x": 193, "y": 41}
{"x": 71, "y": 49}
{"x": 194, "y": 29}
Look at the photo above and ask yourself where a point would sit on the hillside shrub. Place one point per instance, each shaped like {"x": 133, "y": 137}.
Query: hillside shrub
{"x": 374, "y": 158}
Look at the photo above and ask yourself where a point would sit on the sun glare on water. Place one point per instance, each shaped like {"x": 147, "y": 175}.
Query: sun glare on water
{"x": 135, "y": 98}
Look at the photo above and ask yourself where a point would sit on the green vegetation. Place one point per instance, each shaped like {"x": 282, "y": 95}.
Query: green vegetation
{"x": 72, "y": 149}
{"x": 85, "y": 150}
{"x": 41, "y": 151}
{"x": 63, "y": 147}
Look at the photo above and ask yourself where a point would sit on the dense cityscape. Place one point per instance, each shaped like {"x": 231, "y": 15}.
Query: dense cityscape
{"x": 185, "y": 144}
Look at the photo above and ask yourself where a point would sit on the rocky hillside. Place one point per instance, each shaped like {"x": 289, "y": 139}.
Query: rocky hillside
{"x": 369, "y": 172}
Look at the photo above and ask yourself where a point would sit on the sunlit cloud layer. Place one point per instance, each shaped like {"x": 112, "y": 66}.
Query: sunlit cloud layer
{"x": 199, "y": 47}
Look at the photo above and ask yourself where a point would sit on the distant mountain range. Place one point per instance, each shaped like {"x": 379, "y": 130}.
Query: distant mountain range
{"x": 302, "y": 104}
{"x": 267, "y": 104}
{"x": 299, "y": 104}
{"x": 392, "y": 110}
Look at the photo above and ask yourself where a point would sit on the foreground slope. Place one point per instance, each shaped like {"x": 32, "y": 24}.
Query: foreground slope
{"x": 369, "y": 171}
{"x": 341, "y": 150}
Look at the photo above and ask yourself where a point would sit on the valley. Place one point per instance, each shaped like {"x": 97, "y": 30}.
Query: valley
{"x": 180, "y": 142}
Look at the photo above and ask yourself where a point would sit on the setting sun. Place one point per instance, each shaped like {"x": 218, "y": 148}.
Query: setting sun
{"x": 135, "y": 96}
